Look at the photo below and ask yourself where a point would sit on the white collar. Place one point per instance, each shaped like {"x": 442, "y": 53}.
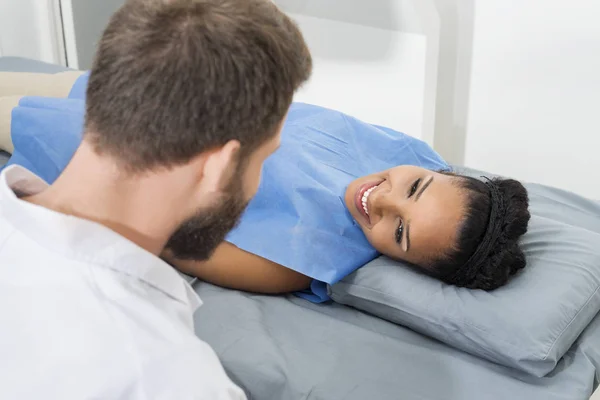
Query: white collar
{"x": 84, "y": 240}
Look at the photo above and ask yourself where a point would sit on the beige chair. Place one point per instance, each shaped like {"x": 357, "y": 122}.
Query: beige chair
{"x": 15, "y": 85}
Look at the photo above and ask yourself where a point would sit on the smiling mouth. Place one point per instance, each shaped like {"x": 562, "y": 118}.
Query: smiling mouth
{"x": 362, "y": 197}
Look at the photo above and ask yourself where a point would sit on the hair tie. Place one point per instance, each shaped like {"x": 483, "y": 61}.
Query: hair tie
{"x": 493, "y": 231}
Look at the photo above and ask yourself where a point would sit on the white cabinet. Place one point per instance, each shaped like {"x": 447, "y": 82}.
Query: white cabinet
{"x": 534, "y": 92}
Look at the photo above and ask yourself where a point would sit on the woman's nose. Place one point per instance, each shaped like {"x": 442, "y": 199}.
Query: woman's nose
{"x": 385, "y": 202}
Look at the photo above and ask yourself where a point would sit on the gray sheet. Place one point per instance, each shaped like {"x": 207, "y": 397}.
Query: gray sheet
{"x": 284, "y": 348}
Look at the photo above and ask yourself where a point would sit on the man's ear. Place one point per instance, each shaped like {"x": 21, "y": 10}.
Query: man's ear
{"x": 219, "y": 166}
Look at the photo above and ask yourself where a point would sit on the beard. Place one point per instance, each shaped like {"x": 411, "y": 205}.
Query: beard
{"x": 198, "y": 237}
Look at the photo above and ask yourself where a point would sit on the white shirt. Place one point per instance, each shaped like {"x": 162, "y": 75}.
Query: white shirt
{"x": 87, "y": 314}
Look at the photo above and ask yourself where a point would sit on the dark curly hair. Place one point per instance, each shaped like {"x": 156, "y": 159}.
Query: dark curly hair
{"x": 505, "y": 256}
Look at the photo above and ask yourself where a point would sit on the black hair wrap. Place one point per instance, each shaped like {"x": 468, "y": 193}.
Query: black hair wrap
{"x": 469, "y": 270}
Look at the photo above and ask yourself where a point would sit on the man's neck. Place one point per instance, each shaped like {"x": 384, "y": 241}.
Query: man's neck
{"x": 140, "y": 208}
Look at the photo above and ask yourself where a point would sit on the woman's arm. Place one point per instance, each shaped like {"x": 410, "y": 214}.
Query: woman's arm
{"x": 234, "y": 268}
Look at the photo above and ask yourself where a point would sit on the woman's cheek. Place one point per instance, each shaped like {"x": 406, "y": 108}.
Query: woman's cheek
{"x": 375, "y": 237}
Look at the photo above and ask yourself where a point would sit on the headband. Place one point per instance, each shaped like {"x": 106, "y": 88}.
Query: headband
{"x": 493, "y": 231}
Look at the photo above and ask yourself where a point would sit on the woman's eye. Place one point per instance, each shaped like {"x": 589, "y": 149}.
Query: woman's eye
{"x": 399, "y": 233}
{"x": 414, "y": 187}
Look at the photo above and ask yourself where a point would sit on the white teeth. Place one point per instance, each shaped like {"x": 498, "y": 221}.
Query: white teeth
{"x": 365, "y": 197}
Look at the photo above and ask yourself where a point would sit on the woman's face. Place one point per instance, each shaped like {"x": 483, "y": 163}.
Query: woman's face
{"x": 407, "y": 213}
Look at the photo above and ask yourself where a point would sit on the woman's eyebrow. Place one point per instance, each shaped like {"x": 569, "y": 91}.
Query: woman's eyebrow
{"x": 423, "y": 187}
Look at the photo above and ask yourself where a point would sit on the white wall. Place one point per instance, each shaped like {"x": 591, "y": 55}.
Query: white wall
{"x": 34, "y": 29}
{"x": 373, "y": 74}
{"x": 374, "y": 60}
{"x": 31, "y": 28}
{"x": 534, "y": 97}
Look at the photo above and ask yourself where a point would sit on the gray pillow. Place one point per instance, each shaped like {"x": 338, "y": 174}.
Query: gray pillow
{"x": 528, "y": 324}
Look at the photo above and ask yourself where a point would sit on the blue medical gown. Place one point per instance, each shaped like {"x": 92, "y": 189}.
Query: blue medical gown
{"x": 298, "y": 217}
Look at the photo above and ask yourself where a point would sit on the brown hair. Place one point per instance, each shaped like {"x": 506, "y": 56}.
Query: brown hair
{"x": 172, "y": 79}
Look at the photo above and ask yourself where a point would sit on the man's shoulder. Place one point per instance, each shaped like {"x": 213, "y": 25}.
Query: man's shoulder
{"x": 189, "y": 371}
{"x": 6, "y": 230}
{"x": 15, "y": 247}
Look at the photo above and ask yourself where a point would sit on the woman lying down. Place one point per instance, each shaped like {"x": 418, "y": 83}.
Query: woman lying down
{"x": 340, "y": 192}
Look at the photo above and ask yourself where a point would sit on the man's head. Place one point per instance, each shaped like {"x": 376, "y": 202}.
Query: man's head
{"x": 198, "y": 86}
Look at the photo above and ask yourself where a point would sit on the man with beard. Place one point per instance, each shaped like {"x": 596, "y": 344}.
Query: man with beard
{"x": 185, "y": 100}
